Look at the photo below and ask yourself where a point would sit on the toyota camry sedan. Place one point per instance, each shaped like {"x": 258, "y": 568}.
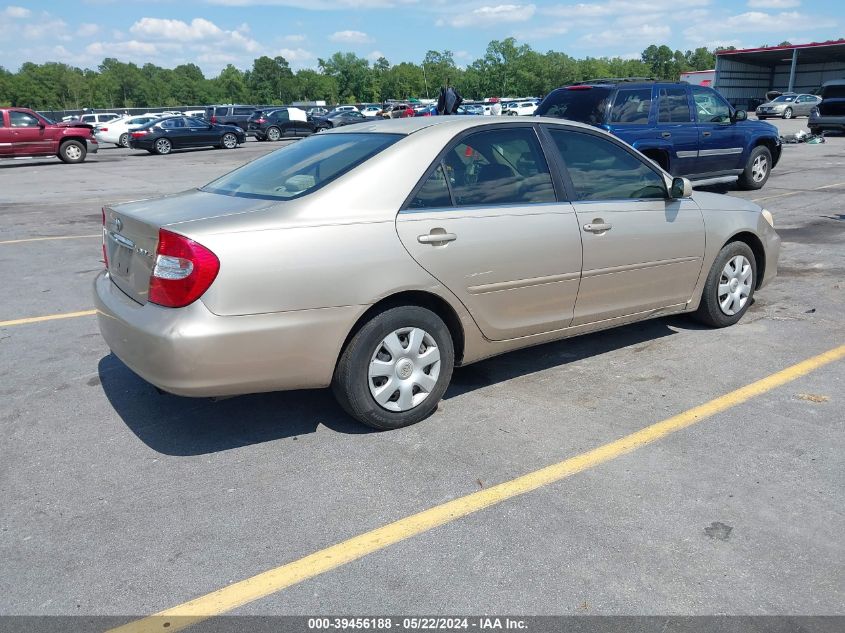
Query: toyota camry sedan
{"x": 322, "y": 264}
{"x": 166, "y": 134}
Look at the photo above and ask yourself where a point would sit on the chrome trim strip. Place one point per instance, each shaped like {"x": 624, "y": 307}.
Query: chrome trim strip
{"x": 629, "y": 267}
{"x": 720, "y": 152}
{"x": 522, "y": 283}
{"x": 123, "y": 241}
{"x": 687, "y": 154}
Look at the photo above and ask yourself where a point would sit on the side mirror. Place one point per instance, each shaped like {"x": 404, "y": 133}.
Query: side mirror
{"x": 740, "y": 115}
{"x": 681, "y": 188}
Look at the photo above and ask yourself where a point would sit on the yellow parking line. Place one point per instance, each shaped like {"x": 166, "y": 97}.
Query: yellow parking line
{"x": 49, "y": 317}
{"x": 836, "y": 184}
{"x": 780, "y": 195}
{"x": 45, "y": 239}
{"x": 273, "y": 580}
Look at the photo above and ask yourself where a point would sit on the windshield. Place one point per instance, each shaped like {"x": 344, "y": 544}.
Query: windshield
{"x": 784, "y": 99}
{"x": 299, "y": 169}
{"x": 586, "y": 104}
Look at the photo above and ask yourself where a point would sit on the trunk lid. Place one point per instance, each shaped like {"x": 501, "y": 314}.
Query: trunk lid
{"x": 131, "y": 230}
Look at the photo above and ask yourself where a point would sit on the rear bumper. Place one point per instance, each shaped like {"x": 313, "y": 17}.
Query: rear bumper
{"x": 827, "y": 122}
{"x": 92, "y": 146}
{"x": 192, "y": 352}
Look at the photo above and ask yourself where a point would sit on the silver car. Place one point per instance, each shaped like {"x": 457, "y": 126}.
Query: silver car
{"x": 322, "y": 264}
{"x": 788, "y": 106}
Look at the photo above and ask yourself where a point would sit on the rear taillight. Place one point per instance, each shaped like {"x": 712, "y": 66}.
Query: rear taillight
{"x": 139, "y": 134}
{"x": 103, "y": 129}
{"x": 183, "y": 270}
{"x": 105, "y": 255}
{"x": 262, "y": 120}
{"x": 214, "y": 119}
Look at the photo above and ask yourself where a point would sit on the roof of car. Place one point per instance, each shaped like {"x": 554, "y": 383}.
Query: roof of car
{"x": 458, "y": 123}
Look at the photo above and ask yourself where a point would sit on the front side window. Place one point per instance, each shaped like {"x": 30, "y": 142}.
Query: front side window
{"x": 785, "y": 99}
{"x": 434, "y": 192}
{"x": 301, "y": 168}
{"x": 631, "y": 106}
{"x": 602, "y": 170}
{"x": 22, "y": 119}
{"x": 504, "y": 166}
{"x": 673, "y": 105}
{"x": 586, "y": 104}
{"x": 710, "y": 107}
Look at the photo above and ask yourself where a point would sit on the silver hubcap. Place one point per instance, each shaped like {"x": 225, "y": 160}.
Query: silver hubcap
{"x": 759, "y": 168}
{"x": 124, "y": 140}
{"x": 735, "y": 285}
{"x": 273, "y": 134}
{"x": 163, "y": 145}
{"x": 229, "y": 141}
{"x": 404, "y": 369}
{"x": 73, "y": 152}
{"x": 787, "y": 114}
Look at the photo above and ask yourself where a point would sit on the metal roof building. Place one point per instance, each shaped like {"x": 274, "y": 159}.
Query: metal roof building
{"x": 744, "y": 76}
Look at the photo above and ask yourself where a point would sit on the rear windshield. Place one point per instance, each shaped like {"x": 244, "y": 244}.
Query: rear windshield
{"x": 586, "y": 104}
{"x": 301, "y": 168}
{"x": 836, "y": 91}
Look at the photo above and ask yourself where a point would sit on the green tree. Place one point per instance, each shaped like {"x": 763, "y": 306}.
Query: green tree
{"x": 231, "y": 85}
{"x": 351, "y": 74}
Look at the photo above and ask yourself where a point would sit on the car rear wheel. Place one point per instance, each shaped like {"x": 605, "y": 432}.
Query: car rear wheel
{"x": 163, "y": 146}
{"x": 72, "y": 152}
{"x": 757, "y": 168}
{"x": 229, "y": 141}
{"x": 787, "y": 114}
{"x": 396, "y": 368}
{"x": 123, "y": 141}
{"x": 729, "y": 288}
{"x": 274, "y": 134}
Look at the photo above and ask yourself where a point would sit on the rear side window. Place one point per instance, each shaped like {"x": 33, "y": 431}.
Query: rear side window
{"x": 587, "y": 104}
{"x": 631, "y": 106}
{"x": 673, "y": 105}
{"x": 301, "y": 168}
{"x": 221, "y": 111}
{"x": 504, "y": 166}
{"x": 242, "y": 111}
{"x": 434, "y": 192}
{"x": 281, "y": 115}
{"x": 2, "y": 119}
{"x": 601, "y": 170}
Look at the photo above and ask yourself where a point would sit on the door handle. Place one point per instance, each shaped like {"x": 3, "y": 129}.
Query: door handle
{"x": 666, "y": 134}
{"x": 705, "y": 133}
{"x": 436, "y": 238}
{"x": 597, "y": 227}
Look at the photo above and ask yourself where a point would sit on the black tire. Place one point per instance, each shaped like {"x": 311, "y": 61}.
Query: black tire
{"x": 162, "y": 146}
{"x": 709, "y": 310}
{"x": 72, "y": 152}
{"x": 274, "y": 134}
{"x": 787, "y": 114}
{"x": 228, "y": 141}
{"x": 351, "y": 379}
{"x": 748, "y": 179}
{"x": 761, "y": 118}
{"x": 123, "y": 141}
{"x": 815, "y": 131}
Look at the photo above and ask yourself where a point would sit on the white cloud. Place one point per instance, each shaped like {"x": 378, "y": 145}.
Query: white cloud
{"x": 318, "y": 5}
{"x": 773, "y": 4}
{"x": 491, "y": 15}
{"x": 119, "y": 49}
{"x": 350, "y": 37}
{"x": 296, "y": 55}
{"x": 53, "y": 27}
{"x": 754, "y": 21}
{"x": 374, "y": 55}
{"x": 618, "y": 7}
{"x": 16, "y": 12}
{"x": 198, "y": 30}
{"x": 295, "y": 38}
{"x": 87, "y": 30}
{"x": 645, "y": 33}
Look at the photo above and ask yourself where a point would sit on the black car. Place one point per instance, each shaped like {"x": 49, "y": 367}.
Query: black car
{"x": 230, "y": 114}
{"x": 164, "y": 135}
{"x": 339, "y": 118}
{"x": 273, "y": 125}
{"x": 829, "y": 114}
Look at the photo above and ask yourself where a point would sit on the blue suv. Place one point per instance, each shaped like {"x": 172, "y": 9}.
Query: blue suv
{"x": 690, "y": 131}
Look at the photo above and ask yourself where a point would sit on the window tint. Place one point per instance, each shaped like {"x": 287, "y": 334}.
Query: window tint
{"x": 87, "y": 118}
{"x": 709, "y": 106}
{"x": 22, "y": 119}
{"x": 601, "y": 170}
{"x": 434, "y": 192}
{"x": 242, "y": 111}
{"x": 192, "y": 122}
{"x": 586, "y": 105}
{"x": 301, "y": 168}
{"x": 631, "y": 106}
{"x": 503, "y": 166}
{"x": 281, "y": 115}
{"x": 221, "y": 111}
{"x": 673, "y": 105}
{"x": 170, "y": 124}
{"x": 2, "y": 119}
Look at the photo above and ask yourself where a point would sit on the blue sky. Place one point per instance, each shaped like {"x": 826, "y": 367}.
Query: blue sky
{"x": 213, "y": 33}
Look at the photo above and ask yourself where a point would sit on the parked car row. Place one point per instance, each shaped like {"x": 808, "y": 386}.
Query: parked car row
{"x": 787, "y": 106}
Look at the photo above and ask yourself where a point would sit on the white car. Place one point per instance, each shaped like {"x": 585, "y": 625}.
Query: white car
{"x": 96, "y": 119}
{"x": 346, "y": 108}
{"x": 118, "y": 131}
{"x": 197, "y": 114}
{"x": 522, "y": 108}
{"x": 370, "y": 111}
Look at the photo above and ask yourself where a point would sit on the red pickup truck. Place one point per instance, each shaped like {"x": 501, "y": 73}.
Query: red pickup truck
{"x": 27, "y": 133}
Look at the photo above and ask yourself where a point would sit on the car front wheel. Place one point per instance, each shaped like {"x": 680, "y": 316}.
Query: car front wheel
{"x": 72, "y": 152}
{"x": 229, "y": 141}
{"x": 729, "y": 288}
{"x": 787, "y": 114}
{"x": 757, "y": 168}
{"x": 396, "y": 368}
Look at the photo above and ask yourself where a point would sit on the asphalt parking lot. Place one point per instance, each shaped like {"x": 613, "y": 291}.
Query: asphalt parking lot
{"x": 120, "y": 501}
